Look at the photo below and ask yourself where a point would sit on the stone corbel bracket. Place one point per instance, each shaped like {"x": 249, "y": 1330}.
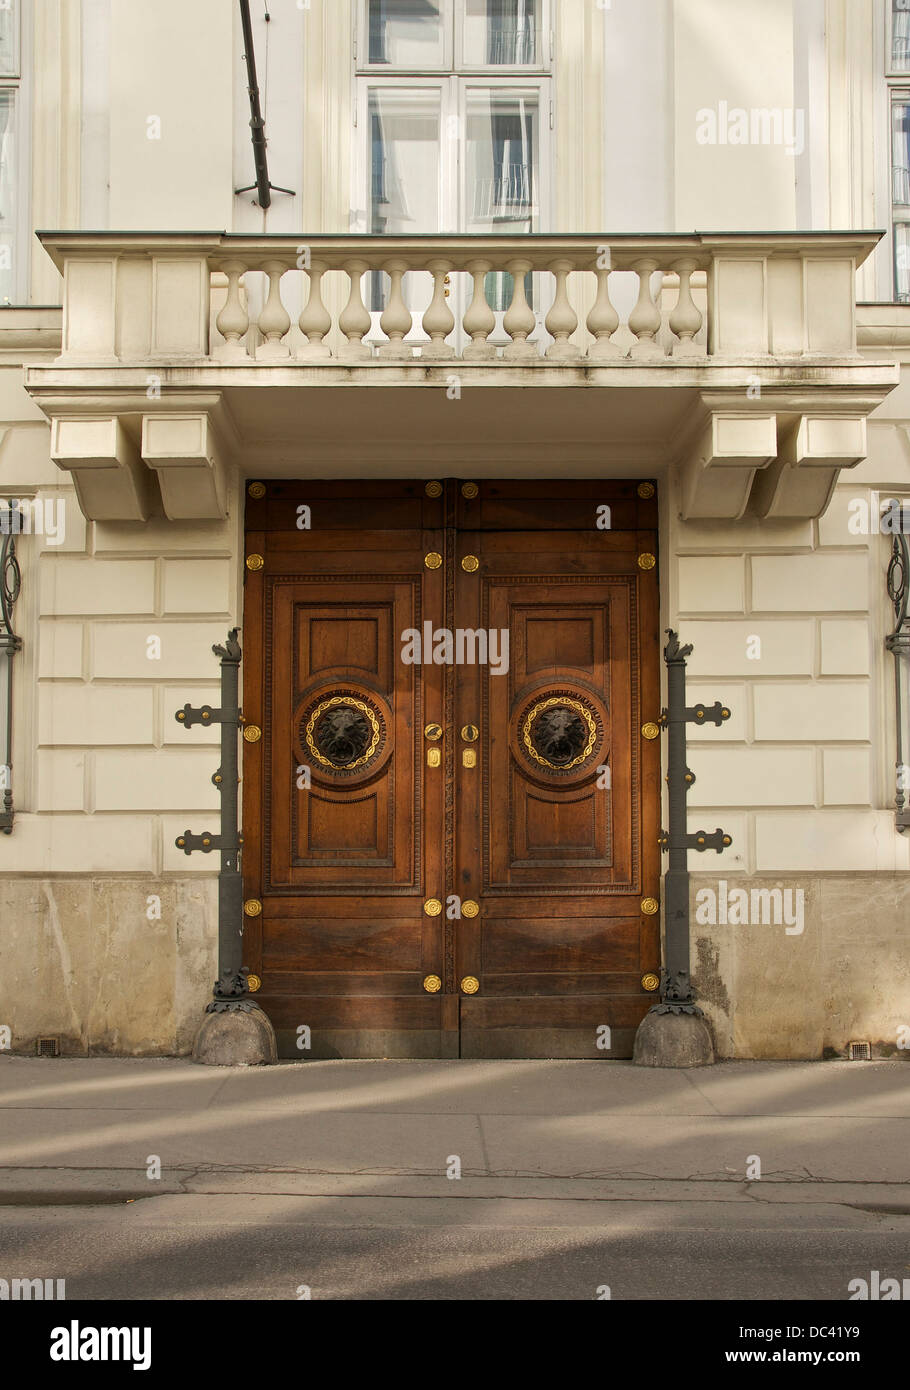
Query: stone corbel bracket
{"x": 811, "y": 452}
{"x": 719, "y": 463}
{"x": 781, "y": 463}
{"x": 110, "y": 480}
{"x": 185, "y": 453}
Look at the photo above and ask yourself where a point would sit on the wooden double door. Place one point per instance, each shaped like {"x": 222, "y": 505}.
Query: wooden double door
{"x": 451, "y": 813}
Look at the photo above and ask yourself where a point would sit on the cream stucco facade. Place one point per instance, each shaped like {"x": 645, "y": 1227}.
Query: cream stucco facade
{"x": 765, "y": 412}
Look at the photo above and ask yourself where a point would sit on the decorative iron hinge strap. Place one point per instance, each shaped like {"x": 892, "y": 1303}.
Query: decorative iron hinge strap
{"x": 699, "y": 714}
{"x": 188, "y": 716}
{"x": 191, "y": 844}
{"x": 700, "y": 840}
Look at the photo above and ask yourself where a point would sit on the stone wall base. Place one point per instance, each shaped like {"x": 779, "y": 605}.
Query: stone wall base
{"x": 804, "y": 989}
{"x": 119, "y": 967}
{"x": 123, "y": 966}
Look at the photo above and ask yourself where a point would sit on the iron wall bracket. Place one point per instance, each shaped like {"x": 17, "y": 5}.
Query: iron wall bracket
{"x": 188, "y": 716}
{"x": 231, "y": 990}
{"x": 206, "y": 842}
{"x": 716, "y": 714}
{"x": 677, "y": 992}
{"x": 700, "y": 841}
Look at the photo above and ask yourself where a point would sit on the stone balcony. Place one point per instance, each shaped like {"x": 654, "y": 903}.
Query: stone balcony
{"x": 191, "y": 359}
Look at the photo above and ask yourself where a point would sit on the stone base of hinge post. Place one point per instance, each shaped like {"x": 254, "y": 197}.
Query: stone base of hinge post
{"x": 239, "y": 1038}
{"x": 674, "y": 1040}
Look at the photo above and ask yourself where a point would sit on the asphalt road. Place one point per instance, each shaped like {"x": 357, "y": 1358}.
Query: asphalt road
{"x": 386, "y": 1248}
{"x": 340, "y": 1181}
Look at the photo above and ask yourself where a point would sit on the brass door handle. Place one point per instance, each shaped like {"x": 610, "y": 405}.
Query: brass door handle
{"x": 433, "y": 733}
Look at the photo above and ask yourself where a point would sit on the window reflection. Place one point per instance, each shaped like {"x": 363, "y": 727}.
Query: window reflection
{"x": 500, "y": 33}
{"x": 900, "y": 35}
{"x": 406, "y": 33}
{"x": 900, "y": 195}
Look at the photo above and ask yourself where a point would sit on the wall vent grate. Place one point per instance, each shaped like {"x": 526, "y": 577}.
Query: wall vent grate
{"x": 859, "y": 1052}
{"x": 48, "y": 1047}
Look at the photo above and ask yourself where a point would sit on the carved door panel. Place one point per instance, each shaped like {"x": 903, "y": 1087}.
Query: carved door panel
{"x": 451, "y": 841}
{"x": 343, "y": 812}
{"x": 558, "y": 814}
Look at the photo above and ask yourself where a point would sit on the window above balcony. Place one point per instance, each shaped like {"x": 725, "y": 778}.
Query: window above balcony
{"x": 435, "y": 36}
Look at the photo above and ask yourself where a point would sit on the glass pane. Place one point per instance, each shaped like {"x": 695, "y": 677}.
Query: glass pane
{"x": 9, "y": 37}
{"x": 404, "y": 160}
{"x": 7, "y": 194}
{"x": 900, "y": 35}
{"x": 902, "y": 262}
{"x": 502, "y": 171}
{"x": 502, "y": 153}
{"x": 900, "y": 154}
{"x": 406, "y": 33}
{"x": 501, "y": 33}
{"x": 404, "y": 126}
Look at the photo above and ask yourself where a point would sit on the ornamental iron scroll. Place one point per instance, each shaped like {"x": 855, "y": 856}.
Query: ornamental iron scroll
{"x": 898, "y": 643}
{"x": 10, "y": 587}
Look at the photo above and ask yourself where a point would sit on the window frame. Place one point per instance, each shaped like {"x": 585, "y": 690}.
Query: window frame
{"x": 20, "y": 226}
{"x": 898, "y": 95}
{"x": 901, "y": 74}
{"x": 453, "y": 12}
{"x": 454, "y": 90}
{"x": 16, "y": 76}
{"x": 362, "y": 161}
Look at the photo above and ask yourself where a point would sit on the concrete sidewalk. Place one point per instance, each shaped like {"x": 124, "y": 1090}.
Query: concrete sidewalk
{"x": 554, "y": 1158}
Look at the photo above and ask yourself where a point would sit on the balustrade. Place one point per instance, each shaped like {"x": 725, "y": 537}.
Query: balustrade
{"x": 644, "y": 301}
{"x": 430, "y": 335}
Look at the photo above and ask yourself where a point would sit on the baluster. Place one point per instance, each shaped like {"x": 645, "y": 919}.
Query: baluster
{"x": 644, "y": 320}
{"x": 479, "y": 320}
{"x": 274, "y": 321}
{"x": 603, "y": 321}
{"x": 519, "y": 320}
{"x": 396, "y": 319}
{"x": 233, "y": 321}
{"x": 686, "y": 319}
{"x": 562, "y": 319}
{"x": 355, "y": 320}
{"x": 438, "y": 319}
{"x": 315, "y": 320}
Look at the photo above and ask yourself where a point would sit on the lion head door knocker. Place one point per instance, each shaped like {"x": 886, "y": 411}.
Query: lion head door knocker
{"x": 559, "y": 735}
{"x": 342, "y": 734}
